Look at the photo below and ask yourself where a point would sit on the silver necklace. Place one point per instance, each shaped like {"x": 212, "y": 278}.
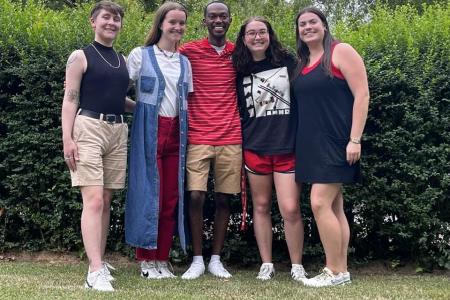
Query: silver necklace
{"x": 164, "y": 52}
{"x": 106, "y": 60}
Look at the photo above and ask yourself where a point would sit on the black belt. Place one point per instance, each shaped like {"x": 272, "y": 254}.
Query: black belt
{"x": 109, "y": 118}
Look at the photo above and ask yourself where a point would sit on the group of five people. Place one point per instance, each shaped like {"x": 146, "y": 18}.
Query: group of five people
{"x": 213, "y": 105}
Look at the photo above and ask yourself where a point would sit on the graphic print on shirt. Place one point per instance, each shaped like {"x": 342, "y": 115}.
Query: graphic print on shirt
{"x": 267, "y": 93}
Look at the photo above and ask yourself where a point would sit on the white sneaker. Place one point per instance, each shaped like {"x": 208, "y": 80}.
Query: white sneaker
{"x": 149, "y": 270}
{"x": 195, "y": 271}
{"x": 326, "y": 278}
{"x": 346, "y": 277}
{"x": 298, "y": 272}
{"x": 217, "y": 269}
{"x": 266, "y": 272}
{"x": 108, "y": 268}
{"x": 98, "y": 281}
{"x": 163, "y": 268}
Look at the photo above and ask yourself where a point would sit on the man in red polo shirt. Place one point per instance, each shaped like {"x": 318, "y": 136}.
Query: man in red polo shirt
{"x": 214, "y": 136}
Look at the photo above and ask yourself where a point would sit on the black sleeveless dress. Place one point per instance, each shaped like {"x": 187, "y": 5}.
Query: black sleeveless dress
{"x": 324, "y": 107}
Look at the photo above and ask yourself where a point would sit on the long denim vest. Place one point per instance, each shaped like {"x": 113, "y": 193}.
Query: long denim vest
{"x": 142, "y": 204}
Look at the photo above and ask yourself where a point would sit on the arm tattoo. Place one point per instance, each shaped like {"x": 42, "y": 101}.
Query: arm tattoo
{"x": 71, "y": 59}
{"x": 73, "y": 96}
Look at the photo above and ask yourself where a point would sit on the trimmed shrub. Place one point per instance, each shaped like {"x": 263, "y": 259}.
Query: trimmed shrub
{"x": 401, "y": 212}
{"x": 403, "y": 209}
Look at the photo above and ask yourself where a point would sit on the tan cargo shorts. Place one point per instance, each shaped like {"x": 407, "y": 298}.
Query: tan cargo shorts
{"x": 226, "y": 161}
{"x": 102, "y": 149}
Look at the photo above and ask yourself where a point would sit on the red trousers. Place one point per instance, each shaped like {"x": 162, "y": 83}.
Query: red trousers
{"x": 168, "y": 159}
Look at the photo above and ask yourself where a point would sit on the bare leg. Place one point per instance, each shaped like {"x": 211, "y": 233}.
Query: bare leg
{"x": 91, "y": 224}
{"x": 221, "y": 219}
{"x": 196, "y": 202}
{"x": 261, "y": 188}
{"x": 107, "y": 197}
{"x": 288, "y": 193}
{"x": 322, "y": 199}
{"x": 338, "y": 208}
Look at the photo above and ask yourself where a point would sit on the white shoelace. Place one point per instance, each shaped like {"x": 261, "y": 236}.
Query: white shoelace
{"x": 266, "y": 272}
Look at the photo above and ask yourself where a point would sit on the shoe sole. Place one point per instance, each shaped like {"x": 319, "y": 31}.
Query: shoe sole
{"x": 331, "y": 285}
{"x": 221, "y": 276}
{"x": 190, "y": 278}
{"x": 264, "y": 279}
{"x": 302, "y": 280}
{"x": 167, "y": 277}
{"x": 88, "y": 287}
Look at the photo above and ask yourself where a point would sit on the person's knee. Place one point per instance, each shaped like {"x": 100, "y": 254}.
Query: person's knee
{"x": 291, "y": 213}
{"x": 318, "y": 205}
{"x": 261, "y": 208}
{"x": 197, "y": 199}
{"x": 94, "y": 204}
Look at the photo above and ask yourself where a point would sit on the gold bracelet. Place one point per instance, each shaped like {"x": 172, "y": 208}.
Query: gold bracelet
{"x": 355, "y": 140}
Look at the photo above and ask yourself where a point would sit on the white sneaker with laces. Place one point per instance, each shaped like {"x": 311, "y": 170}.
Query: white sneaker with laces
{"x": 108, "y": 268}
{"x": 98, "y": 281}
{"x": 346, "y": 277}
{"x": 149, "y": 270}
{"x": 195, "y": 271}
{"x": 163, "y": 268}
{"x": 266, "y": 272}
{"x": 326, "y": 278}
{"x": 217, "y": 269}
{"x": 298, "y": 272}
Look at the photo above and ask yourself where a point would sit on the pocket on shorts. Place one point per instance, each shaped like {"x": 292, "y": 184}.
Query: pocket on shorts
{"x": 147, "y": 84}
{"x": 335, "y": 151}
{"x": 83, "y": 127}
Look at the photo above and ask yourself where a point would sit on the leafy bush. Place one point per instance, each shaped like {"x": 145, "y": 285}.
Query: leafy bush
{"x": 403, "y": 209}
{"x": 401, "y": 212}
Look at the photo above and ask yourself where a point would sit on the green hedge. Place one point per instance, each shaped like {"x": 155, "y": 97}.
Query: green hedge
{"x": 401, "y": 212}
{"x": 404, "y": 207}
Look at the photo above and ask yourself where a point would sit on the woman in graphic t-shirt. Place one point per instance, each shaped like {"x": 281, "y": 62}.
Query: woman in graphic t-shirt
{"x": 264, "y": 69}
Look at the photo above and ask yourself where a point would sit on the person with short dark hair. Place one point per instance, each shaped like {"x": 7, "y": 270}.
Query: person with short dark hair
{"x": 264, "y": 69}
{"x": 214, "y": 140}
{"x": 333, "y": 98}
{"x": 163, "y": 79}
{"x": 95, "y": 133}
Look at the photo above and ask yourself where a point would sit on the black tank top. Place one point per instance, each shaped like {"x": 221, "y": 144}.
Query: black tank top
{"x": 103, "y": 86}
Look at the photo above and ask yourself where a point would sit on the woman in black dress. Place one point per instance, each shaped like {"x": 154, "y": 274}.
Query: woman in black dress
{"x": 332, "y": 97}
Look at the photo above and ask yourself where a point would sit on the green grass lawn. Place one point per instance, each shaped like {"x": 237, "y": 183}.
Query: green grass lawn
{"x": 38, "y": 280}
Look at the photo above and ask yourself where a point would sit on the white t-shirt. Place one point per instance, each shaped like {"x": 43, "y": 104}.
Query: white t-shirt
{"x": 170, "y": 68}
{"x": 219, "y": 49}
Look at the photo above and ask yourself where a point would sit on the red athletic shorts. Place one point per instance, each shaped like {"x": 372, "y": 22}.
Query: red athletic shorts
{"x": 268, "y": 164}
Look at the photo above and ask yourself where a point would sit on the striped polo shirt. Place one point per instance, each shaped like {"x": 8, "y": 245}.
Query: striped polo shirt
{"x": 212, "y": 108}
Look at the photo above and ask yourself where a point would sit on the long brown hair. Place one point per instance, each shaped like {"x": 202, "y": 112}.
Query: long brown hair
{"x": 328, "y": 40}
{"x": 242, "y": 58}
{"x": 155, "y": 32}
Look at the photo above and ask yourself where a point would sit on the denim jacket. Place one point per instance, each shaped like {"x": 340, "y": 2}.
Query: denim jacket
{"x": 142, "y": 203}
